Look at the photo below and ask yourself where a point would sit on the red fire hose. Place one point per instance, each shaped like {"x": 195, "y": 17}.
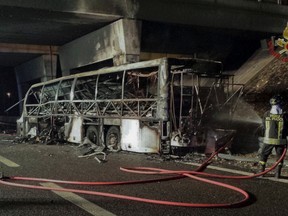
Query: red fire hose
{"x": 146, "y": 170}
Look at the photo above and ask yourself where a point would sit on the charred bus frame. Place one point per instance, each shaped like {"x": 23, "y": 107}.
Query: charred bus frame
{"x": 147, "y": 106}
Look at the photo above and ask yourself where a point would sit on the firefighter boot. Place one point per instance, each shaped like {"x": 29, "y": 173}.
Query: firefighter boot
{"x": 262, "y": 169}
{"x": 278, "y": 171}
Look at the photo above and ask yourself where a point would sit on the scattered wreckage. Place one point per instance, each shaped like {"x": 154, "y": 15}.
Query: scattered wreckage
{"x": 164, "y": 106}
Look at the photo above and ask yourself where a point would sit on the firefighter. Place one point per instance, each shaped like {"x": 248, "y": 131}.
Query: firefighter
{"x": 275, "y": 133}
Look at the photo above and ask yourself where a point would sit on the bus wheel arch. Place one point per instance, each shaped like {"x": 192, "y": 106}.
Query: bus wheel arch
{"x": 113, "y": 139}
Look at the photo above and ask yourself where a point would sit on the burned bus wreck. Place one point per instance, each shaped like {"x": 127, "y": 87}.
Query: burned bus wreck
{"x": 157, "y": 106}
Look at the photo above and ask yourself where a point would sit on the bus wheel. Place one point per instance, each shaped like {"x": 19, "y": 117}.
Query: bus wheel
{"x": 92, "y": 134}
{"x": 113, "y": 139}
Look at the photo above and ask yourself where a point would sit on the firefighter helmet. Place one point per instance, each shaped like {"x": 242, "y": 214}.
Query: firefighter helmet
{"x": 276, "y": 100}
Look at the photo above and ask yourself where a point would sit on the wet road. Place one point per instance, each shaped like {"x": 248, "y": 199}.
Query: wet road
{"x": 62, "y": 162}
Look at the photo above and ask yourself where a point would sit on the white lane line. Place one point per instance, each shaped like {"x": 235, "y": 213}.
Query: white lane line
{"x": 86, "y": 205}
{"x": 8, "y": 162}
{"x": 239, "y": 172}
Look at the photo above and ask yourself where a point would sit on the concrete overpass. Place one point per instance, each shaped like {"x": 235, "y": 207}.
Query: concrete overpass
{"x": 37, "y": 37}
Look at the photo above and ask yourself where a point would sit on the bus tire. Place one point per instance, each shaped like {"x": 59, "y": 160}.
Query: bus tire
{"x": 92, "y": 134}
{"x": 113, "y": 139}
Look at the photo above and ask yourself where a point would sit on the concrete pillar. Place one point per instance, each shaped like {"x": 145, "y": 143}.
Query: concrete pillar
{"x": 39, "y": 69}
{"x": 119, "y": 41}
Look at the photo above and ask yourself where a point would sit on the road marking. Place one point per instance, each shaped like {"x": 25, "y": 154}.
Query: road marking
{"x": 79, "y": 201}
{"x": 238, "y": 172}
{"x": 8, "y": 162}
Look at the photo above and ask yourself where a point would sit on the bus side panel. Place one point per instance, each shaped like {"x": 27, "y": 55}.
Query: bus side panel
{"x": 74, "y": 130}
{"x": 137, "y": 138}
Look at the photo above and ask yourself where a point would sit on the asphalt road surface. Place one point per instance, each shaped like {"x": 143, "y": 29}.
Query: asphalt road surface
{"x": 61, "y": 162}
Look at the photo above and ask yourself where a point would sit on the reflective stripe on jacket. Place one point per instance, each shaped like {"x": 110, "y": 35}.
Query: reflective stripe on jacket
{"x": 274, "y": 141}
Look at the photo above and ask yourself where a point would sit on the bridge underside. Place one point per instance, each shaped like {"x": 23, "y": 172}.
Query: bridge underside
{"x": 41, "y": 40}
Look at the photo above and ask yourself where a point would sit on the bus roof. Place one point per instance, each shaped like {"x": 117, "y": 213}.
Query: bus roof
{"x": 137, "y": 65}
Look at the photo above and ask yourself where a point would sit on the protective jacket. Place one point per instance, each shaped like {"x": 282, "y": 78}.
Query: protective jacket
{"x": 275, "y": 127}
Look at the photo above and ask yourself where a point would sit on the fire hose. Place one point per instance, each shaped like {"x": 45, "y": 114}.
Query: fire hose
{"x": 151, "y": 171}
